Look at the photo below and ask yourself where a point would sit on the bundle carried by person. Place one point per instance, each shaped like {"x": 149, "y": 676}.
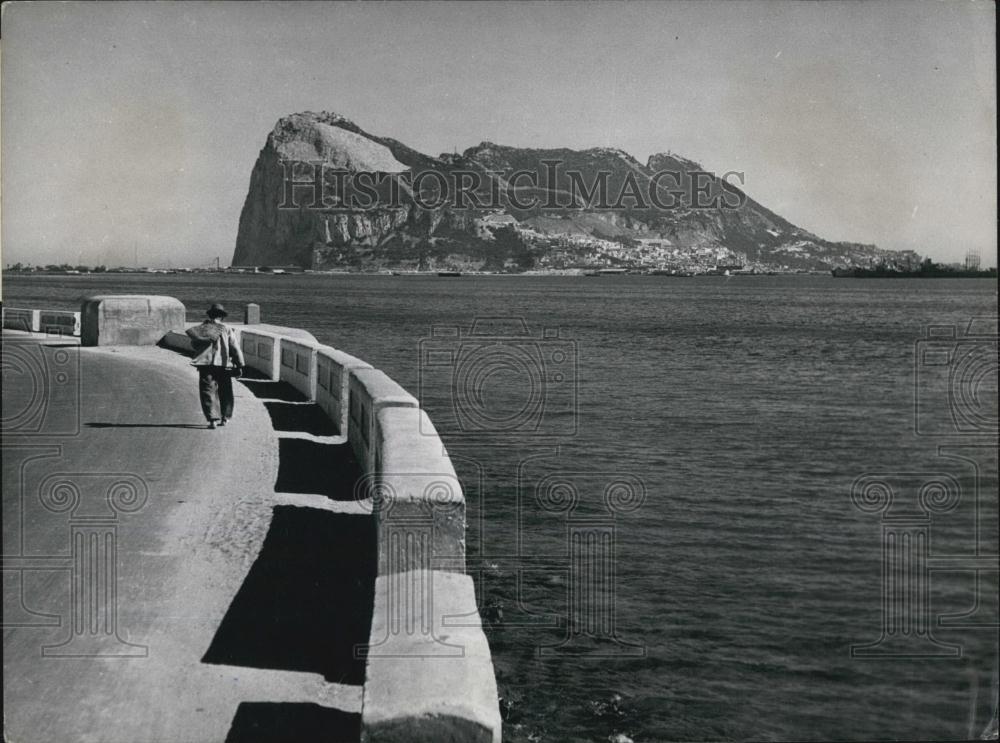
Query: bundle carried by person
{"x": 203, "y": 336}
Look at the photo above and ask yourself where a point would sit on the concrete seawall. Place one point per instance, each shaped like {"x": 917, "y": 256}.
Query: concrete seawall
{"x": 429, "y": 674}
{"x": 428, "y": 671}
{"x": 52, "y": 322}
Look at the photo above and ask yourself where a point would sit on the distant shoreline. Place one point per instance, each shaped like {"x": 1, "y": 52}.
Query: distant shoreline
{"x": 851, "y": 273}
{"x": 869, "y": 273}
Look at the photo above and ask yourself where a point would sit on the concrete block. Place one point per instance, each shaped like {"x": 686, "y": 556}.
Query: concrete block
{"x": 429, "y": 675}
{"x": 251, "y": 314}
{"x": 333, "y": 369}
{"x": 418, "y": 501}
{"x": 129, "y": 319}
{"x": 370, "y": 390}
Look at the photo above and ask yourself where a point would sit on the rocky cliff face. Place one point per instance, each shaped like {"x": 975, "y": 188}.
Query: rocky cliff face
{"x": 272, "y": 235}
{"x": 602, "y": 193}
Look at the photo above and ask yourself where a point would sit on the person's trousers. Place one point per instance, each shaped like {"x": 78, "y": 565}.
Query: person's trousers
{"x": 215, "y": 389}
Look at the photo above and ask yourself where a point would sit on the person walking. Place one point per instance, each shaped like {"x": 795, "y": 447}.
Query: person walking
{"x": 218, "y": 357}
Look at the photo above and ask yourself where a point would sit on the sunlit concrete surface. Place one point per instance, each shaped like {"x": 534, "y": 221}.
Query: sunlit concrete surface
{"x": 155, "y": 586}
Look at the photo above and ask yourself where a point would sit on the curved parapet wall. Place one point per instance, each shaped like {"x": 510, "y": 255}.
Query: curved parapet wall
{"x": 297, "y": 365}
{"x": 434, "y": 684}
{"x": 429, "y": 675}
{"x": 52, "y": 322}
{"x": 369, "y": 391}
{"x": 262, "y": 347}
{"x": 332, "y": 390}
{"x": 18, "y": 318}
{"x": 59, "y": 322}
{"x": 419, "y": 508}
{"x": 262, "y": 352}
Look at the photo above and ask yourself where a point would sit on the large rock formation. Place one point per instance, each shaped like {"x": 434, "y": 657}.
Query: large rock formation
{"x": 509, "y": 232}
{"x": 286, "y": 236}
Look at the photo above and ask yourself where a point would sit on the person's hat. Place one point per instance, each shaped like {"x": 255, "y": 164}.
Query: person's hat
{"x": 217, "y": 310}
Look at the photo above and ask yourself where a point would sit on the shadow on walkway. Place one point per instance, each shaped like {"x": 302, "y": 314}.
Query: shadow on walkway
{"x": 267, "y": 389}
{"x": 324, "y": 469}
{"x": 271, "y": 722}
{"x": 287, "y": 416}
{"x": 307, "y": 600}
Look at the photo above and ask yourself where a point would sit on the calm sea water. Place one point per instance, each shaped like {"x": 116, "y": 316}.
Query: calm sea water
{"x": 732, "y": 416}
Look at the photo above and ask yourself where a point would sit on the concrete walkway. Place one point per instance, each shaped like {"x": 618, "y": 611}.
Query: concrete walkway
{"x": 166, "y": 582}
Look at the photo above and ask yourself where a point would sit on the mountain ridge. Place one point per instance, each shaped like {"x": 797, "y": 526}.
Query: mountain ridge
{"x": 541, "y": 208}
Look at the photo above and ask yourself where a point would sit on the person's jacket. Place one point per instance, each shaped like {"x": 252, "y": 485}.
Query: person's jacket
{"x": 215, "y": 344}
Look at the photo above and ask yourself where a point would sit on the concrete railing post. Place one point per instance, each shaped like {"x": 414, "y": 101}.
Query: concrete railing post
{"x": 251, "y": 314}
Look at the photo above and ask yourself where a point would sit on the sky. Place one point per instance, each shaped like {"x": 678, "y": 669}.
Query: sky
{"x": 129, "y": 129}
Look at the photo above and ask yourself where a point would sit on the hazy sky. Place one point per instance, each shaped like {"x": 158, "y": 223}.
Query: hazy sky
{"x": 134, "y": 126}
